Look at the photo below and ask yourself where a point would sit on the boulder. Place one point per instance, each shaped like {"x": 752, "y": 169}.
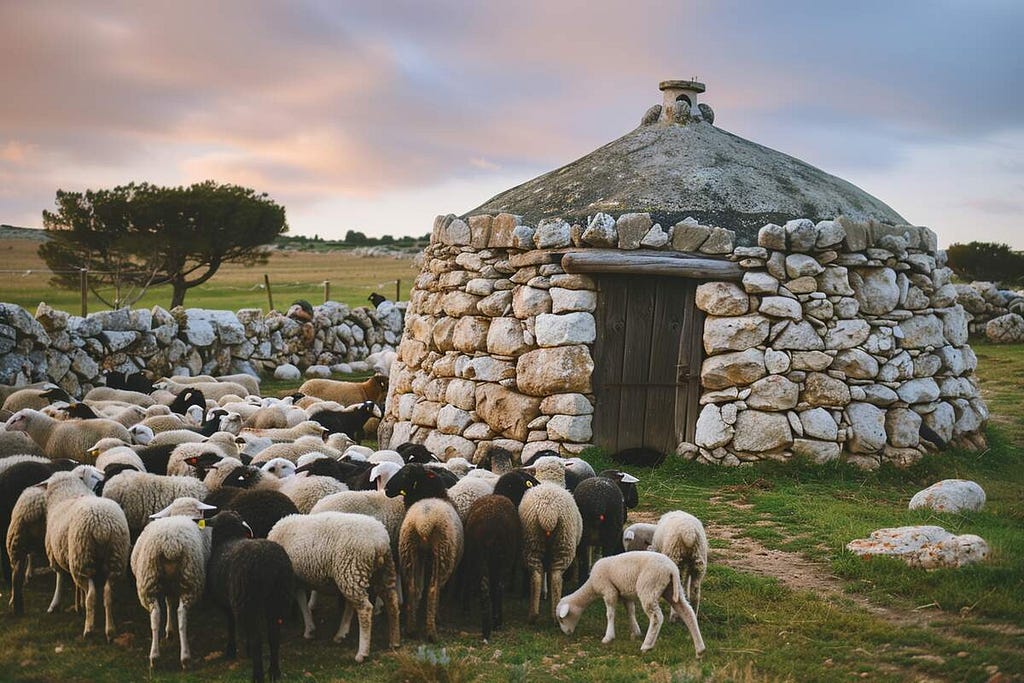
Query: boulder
{"x": 712, "y": 431}
{"x": 903, "y": 427}
{"x": 1006, "y": 329}
{"x": 734, "y": 333}
{"x": 921, "y": 331}
{"x": 758, "y": 431}
{"x": 867, "y": 428}
{"x": 846, "y": 334}
{"x": 505, "y": 411}
{"x": 565, "y": 329}
{"x": 799, "y": 336}
{"x": 552, "y": 233}
{"x": 732, "y": 369}
{"x": 929, "y": 547}
{"x": 562, "y": 369}
{"x": 876, "y": 289}
{"x": 818, "y": 424}
{"x": 781, "y": 307}
{"x": 799, "y": 265}
{"x": 823, "y": 390}
{"x": 856, "y": 363}
{"x": 287, "y": 372}
{"x": 950, "y": 495}
{"x": 722, "y": 298}
{"x": 773, "y": 392}
{"x": 571, "y": 428}
{"x": 688, "y": 235}
{"x": 601, "y": 232}
{"x": 631, "y": 228}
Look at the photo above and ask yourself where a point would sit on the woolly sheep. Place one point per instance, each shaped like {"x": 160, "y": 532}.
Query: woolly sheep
{"x": 346, "y": 393}
{"x": 638, "y": 536}
{"x": 178, "y": 463}
{"x": 17, "y": 443}
{"x": 169, "y": 563}
{"x": 335, "y": 552}
{"x": 577, "y": 470}
{"x": 87, "y": 538}
{"x": 388, "y": 511}
{"x": 260, "y": 508}
{"x": 117, "y": 454}
{"x": 306, "y": 428}
{"x": 12, "y": 460}
{"x": 211, "y": 390}
{"x": 638, "y": 575}
{"x": 599, "y": 501}
{"x": 252, "y": 581}
{"x": 681, "y": 537}
{"x": 492, "y": 542}
{"x": 349, "y": 420}
{"x": 466, "y": 492}
{"x": 514, "y": 485}
{"x": 294, "y": 449}
{"x": 25, "y": 540}
{"x": 38, "y": 396}
{"x": 251, "y": 384}
{"x": 123, "y": 395}
{"x": 548, "y": 468}
{"x": 64, "y": 439}
{"x": 552, "y": 528}
{"x": 304, "y": 490}
{"x": 141, "y": 495}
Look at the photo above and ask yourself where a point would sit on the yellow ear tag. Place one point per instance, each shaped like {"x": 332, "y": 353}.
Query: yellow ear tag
{"x": 402, "y": 492}
{"x": 202, "y": 523}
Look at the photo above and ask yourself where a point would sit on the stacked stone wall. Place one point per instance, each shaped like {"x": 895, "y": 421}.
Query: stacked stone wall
{"x": 74, "y": 352}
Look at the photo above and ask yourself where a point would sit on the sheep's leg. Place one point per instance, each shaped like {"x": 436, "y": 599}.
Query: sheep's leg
{"x": 314, "y": 600}
{"x": 171, "y": 626}
{"x": 433, "y": 596}
{"x": 274, "y": 641}
{"x": 186, "y": 656}
{"x": 689, "y": 617}
{"x": 307, "y": 615}
{"x": 18, "y": 571}
{"x": 108, "y": 610}
{"x": 391, "y": 607}
{"x": 90, "y": 609}
{"x": 609, "y": 614}
{"x": 653, "y": 611}
{"x": 694, "y": 599}
{"x": 634, "y": 627}
{"x": 536, "y": 579}
{"x": 346, "y": 621}
{"x": 231, "y": 649}
{"x": 413, "y": 587}
{"x": 556, "y": 592}
{"x": 57, "y": 588}
{"x": 154, "y": 627}
{"x": 364, "y": 610}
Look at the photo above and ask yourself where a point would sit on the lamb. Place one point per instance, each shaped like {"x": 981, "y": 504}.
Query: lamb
{"x": 552, "y": 529}
{"x": 638, "y": 536}
{"x": 600, "y": 504}
{"x": 637, "y": 575}
{"x": 680, "y": 536}
{"x": 430, "y": 541}
{"x": 346, "y": 393}
{"x": 142, "y": 495}
{"x": 169, "y": 563}
{"x": 492, "y": 543}
{"x": 87, "y": 538}
{"x": 252, "y": 581}
{"x": 67, "y": 438}
{"x": 349, "y": 420}
{"x": 335, "y": 552}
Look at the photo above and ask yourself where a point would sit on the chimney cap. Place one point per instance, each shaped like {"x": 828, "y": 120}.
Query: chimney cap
{"x": 696, "y": 86}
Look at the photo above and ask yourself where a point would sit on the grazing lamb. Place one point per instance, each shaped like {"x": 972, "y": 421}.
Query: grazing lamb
{"x": 335, "y": 552}
{"x": 638, "y": 536}
{"x": 64, "y": 438}
{"x": 638, "y": 575}
{"x": 680, "y": 536}
{"x": 346, "y": 393}
{"x": 552, "y": 528}
{"x": 87, "y": 538}
{"x": 252, "y": 581}
{"x": 169, "y": 563}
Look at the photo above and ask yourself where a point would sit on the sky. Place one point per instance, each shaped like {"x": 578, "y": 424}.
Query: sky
{"x": 377, "y": 116}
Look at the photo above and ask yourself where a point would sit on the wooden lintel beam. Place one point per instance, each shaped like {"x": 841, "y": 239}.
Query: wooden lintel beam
{"x": 628, "y": 263}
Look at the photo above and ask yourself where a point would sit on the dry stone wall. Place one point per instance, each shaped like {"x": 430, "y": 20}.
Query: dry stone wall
{"x": 843, "y": 340}
{"x": 74, "y": 352}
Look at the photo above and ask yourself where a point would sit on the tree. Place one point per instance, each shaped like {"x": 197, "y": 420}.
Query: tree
{"x": 355, "y": 237}
{"x": 986, "y": 261}
{"x": 139, "y": 235}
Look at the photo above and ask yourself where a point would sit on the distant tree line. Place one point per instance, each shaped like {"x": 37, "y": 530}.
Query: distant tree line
{"x": 990, "y": 261}
{"x": 353, "y": 238}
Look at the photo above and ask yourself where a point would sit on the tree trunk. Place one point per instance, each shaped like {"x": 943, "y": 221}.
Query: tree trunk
{"x": 178, "y": 292}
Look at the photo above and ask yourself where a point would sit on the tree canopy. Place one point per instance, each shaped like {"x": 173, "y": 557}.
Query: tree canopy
{"x": 140, "y": 235}
{"x": 986, "y": 261}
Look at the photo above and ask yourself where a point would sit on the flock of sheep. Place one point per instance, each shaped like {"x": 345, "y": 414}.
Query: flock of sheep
{"x": 208, "y": 491}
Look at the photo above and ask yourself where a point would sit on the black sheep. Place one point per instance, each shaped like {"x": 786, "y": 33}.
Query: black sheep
{"x": 188, "y": 397}
{"x": 138, "y": 381}
{"x": 416, "y": 452}
{"x": 155, "y": 458}
{"x": 627, "y": 485}
{"x": 55, "y": 393}
{"x": 115, "y": 379}
{"x": 493, "y": 536}
{"x": 640, "y": 457}
{"x": 497, "y": 460}
{"x": 376, "y": 299}
{"x": 414, "y": 482}
{"x": 601, "y": 506}
{"x": 13, "y": 481}
{"x": 80, "y": 411}
{"x": 252, "y": 580}
{"x": 261, "y": 509}
{"x": 513, "y": 485}
{"x": 350, "y": 421}
{"x": 349, "y": 472}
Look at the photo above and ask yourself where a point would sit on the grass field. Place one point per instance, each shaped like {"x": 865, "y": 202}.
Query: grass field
{"x": 24, "y": 280}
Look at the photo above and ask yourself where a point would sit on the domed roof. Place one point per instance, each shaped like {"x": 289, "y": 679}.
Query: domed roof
{"x": 678, "y": 164}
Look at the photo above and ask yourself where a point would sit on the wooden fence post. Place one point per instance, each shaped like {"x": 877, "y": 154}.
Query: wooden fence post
{"x": 83, "y": 284}
{"x": 398, "y": 290}
{"x": 270, "y": 297}
{"x": 327, "y": 291}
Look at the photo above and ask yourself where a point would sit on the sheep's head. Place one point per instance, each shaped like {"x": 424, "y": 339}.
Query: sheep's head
{"x": 228, "y": 525}
{"x": 19, "y": 421}
{"x": 280, "y": 467}
{"x": 568, "y": 616}
{"x": 414, "y": 482}
{"x": 141, "y": 434}
{"x": 514, "y": 485}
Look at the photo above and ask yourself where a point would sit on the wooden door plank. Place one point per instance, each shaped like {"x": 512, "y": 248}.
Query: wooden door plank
{"x": 662, "y": 391}
{"x": 636, "y": 362}
{"x": 609, "y": 350}
{"x": 691, "y": 355}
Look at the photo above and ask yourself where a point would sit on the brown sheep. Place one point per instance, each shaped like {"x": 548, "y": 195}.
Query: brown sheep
{"x": 347, "y": 393}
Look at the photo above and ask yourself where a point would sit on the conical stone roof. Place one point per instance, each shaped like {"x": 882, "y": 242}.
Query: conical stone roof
{"x": 678, "y": 164}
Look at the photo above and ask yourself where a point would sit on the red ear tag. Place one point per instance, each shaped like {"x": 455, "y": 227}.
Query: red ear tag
{"x": 600, "y": 518}
{"x": 431, "y": 475}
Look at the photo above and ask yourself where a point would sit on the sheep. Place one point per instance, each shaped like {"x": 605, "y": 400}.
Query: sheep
{"x": 64, "y": 439}
{"x": 211, "y": 390}
{"x": 627, "y": 485}
{"x": 430, "y": 541}
{"x": 304, "y": 428}
{"x": 304, "y": 490}
{"x": 335, "y": 552}
{"x": 638, "y": 536}
{"x": 466, "y": 492}
{"x": 346, "y": 393}
{"x": 182, "y": 458}
{"x": 492, "y": 543}
{"x": 6, "y": 390}
{"x": 261, "y": 509}
{"x": 460, "y": 467}
{"x": 349, "y": 420}
{"x": 294, "y": 449}
{"x": 17, "y": 443}
{"x": 123, "y": 395}
{"x": 87, "y": 538}
{"x": 189, "y": 397}
{"x": 141, "y": 494}
{"x": 637, "y": 575}
{"x": 549, "y": 469}
{"x": 388, "y": 511}
{"x": 599, "y": 501}
{"x": 251, "y": 383}
{"x": 497, "y": 460}
{"x": 12, "y": 460}
{"x": 514, "y": 485}
{"x": 577, "y": 470}
{"x": 32, "y": 397}
{"x": 680, "y": 536}
{"x": 169, "y": 563}
{"x": 25, "y": 539}
{"x": 386, "y": 455}
{"x": 552, "y": 529}
{"x": 252, "y": 581}
{"x": 109, "y": 451}
{"x": 416, "y": 452}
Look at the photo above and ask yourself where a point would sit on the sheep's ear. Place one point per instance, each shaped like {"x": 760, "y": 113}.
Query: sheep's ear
{"x": 628, "y": 535}
{"x": 563, "y": 610}
{"x": 166, "y": 512}
{"x": 248, "y": 529}
{"x": 204, "y": 506}
{"x": 628, "y": 478}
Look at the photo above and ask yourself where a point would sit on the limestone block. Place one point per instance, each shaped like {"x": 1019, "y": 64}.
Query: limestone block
{"x": 655, "y": 238}
{"x": 820, "y": 452}
{"x": 688, "y": 235}
{"x": 758, "y": 431}
{"x": 480, "y": 231}
{"x": 442, "y": 334}
{"x": 719, "y": 241}
{"x": 496, "y": 304}
{"x": 287, "y": 372}
{"x": 830, "y": 234}
{"x": 424, "y": 413}
{"x": 318, "y": 371}
{"x": 929, "y": 547}
{"x": 799, "y": 265}
{"x": 529, "y": 301}
{"x": 457, "y": 233}
{"x": 506, "y": 337}
{"x": 867, "y": 428}
{"x": 903, "y": 427}
{"x": 448, "y": 446}
{"x": 571, "y": 428}
{"x": 922, "y": 390}
{"x": 875, "y": 289}
{"x": 570, "y": 300}
{"x": 950, "y": 495}
{"x": 470, "y": 334}
{"x": 819, "y": 309}
{"x": 565, "y": 329}
{"x": 899, "y": 367}
{"x": 772, "y": 236}
{"x": 773, "y": 392}
{"x": 819, "y": 424}
{"x": 452, "y": 420}
{"x": 781, "y": 307}
{"x": 505, "y": 411}
{"x": 810, "y": 360}
{"x": 461, "y": 393}
{"x": 552, "y": 233}
{"x": 952, "y": 359}
{"x": 941, "y": 420}
{"x": 631, "y": 228}
{"x": 801, "y": 235}
{"x": 199, "y": 332}
{"x": 734, "y": 333}
{"x": 722, "y": 298}
{"x": 562, "y": 369}
{"x": 954, "y": 325}
{"x": 502, "y": 227}
{"x": 459, "y": 303}
{"x": 921, "y": 331}
{"x": 712, "y": 431}
{"x": 835, "y": 281}
{"x": 799, "y": 336}
{"x": 480, "y": 286}
{"x": 732, "y": 369}
{"x": 856, "y": 363}
{"x": 601, "y": 232}
{"x": 522, "y": 237}
{"x": 927, "y": 365}
{"x": 759, "y": 282}
{"x": 487, "y": 369}
{"x": 566, "y": 404}
{"x": 822, "y": 390}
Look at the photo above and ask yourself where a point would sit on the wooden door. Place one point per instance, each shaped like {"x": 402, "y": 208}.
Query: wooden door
{"x": 647, "y": 360}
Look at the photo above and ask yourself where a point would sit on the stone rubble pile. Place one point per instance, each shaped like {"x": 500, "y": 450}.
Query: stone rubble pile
{"x": 843, "y": 340}
{"x": 74, "y": 352}
{"x": 928, "y": 547}
{"x": 992, "y": 312}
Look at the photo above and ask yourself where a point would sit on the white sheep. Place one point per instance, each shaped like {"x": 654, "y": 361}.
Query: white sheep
{"x": 26, "y": 536}
{"x": 637, "y": 575}
{"x": 335, "y": 552}
{"x": 87, "y": 538}
{"x": 467, "y": 491}
{"x": 142, "y": 494}
{"x": 17, "y": 443}
{"x": 292, "y": 450}
{"x": 548, "y": 468}
{"x": 305, "y": 428}
{"x": 552, "y": 529}
{"x": 303, "y": 489}
{"x": 169, "y": 563}
{"x": 122, "y": 395}
{"x": 638, "y": 536}
{"x": 64, "y": 438}
{"x": 680, "y": 536}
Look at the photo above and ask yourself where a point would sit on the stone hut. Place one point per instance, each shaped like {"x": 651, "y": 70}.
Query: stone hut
{"x": 686, "y": 290}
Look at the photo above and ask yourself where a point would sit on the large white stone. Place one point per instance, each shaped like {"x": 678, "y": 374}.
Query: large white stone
{"x": 562, "y": 369}
{"x": 712, "y": 431}
{"x": 921, "y": 331}
{"x": 722, "y": 298}
{"x": 954, "y": 325}
{"x": 631, "y": 228}
{"x": 773, "y": 392}
{"x": 287, "y": 372}
{"x": 903, "y": 427}
{"x": 801, "y": 234}
{"x": 921, "y": 390}
{"x": 776, "y": 362}
{"x": 835, "y": 281}
{"x": 732, "y": 369}
{"x": 867, "y": 428}
{"x": 601, "y": 231}
{"x": 506, "y": 412}
{"x": 461, "y": 393}
{"x": 759, "y": 282}
{"x": 799, "y": 336}
{"x": 448, "y": 446}
{"x": 818, "y": 424}
{"x": 570, "y": 300}
{"x": 505, "y": 337}
{"x": 566, "y": 404}
{"x": 529, "y": 301}
{"x": 950, "y": 495}
{"x": 929, "y": 547}
{"x": 941, "y": 420}
{"x": 487, "y": 369}
{"x": 856, "y": 363}
{"x": 758, "y": 431}
{"x": 734, "y": 333}
{"x": 781, "y": 307}
{"x": 847, "y": 334}
{"x": 572, "y": 428}
{"x": 565, "y": 329}
{"x": 552, "y": 233}
{"x": 822, "y": 390}
{"x": 799, "y": 265}
{"x": 820, "y": 452}
{"x": 470, "y": 334}
{"x": 876, "y": 289}
{"x": 452, "y": 420}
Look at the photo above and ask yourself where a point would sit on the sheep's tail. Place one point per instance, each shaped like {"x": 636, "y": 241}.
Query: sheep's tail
{"x": 677, "y": 589}
{"x": 547, "y": 518}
